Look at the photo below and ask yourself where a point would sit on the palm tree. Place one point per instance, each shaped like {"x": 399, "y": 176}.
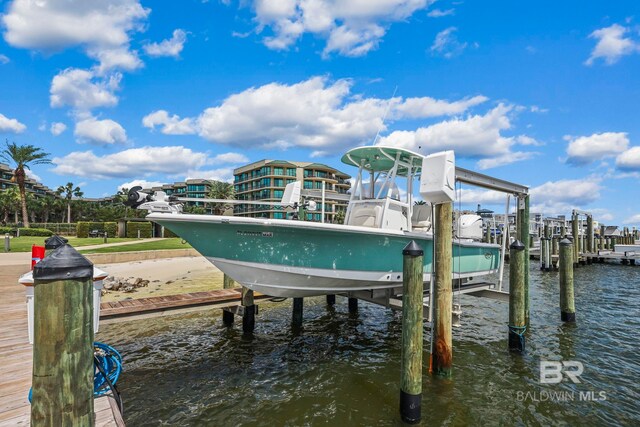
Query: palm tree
{"x": 9, "y": 202}
{"x": 23, "y": 156}
{"x": 220, "y": 190}
{"x": 69, "y": 191}
{"x": 48, "y": 205}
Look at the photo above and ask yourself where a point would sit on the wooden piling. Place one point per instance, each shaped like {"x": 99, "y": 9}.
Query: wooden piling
{"x": 412, "y": 342}
{"x": 331, "y": 299}
{"x": 353, "y": 305}
{"x": 296, "y": 318}
{"x": 576, "y": 237}
{"x": 567, "y": 305}
{"x": 517, "y": 318}
{"x": 442, "y": 298}
{"x": 63, "y": 340}
{"x": 249, "y": 314}
{"x": 522, "y": 234}
{"x": 227, "y": 316}
{"x": 590, "y": 235}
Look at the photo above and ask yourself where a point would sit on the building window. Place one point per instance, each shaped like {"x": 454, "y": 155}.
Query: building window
{"x": 278, "y": 182}
{"x": 266, "y": 182}
{"x": 291, "y": 171}
{"x": 308, "y": 184}
{"x": 278, "y": 215}
{"x": 289, "y": 181}
{"x": 277, "y": 194}
{"x": 278, "y": 171}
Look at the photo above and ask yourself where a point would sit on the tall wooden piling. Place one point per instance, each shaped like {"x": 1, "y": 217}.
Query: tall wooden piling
{"x": 590, "y": 235}
{"x": 249, "y": 313}
{"x": 576, "y": 238}
{"x": 567, "y": 305}
{"x": 227, "y": 316}
{"x": 517, "y": 317}
{"x": 442, "y": 298}
{"x": 63, "y": 340}
{"x": 296, "y": 317}
{"x": 522, "y": 234}
{"x": 412, "y": 343}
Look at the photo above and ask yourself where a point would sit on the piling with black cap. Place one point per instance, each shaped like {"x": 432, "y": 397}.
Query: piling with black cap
{"x": 411, "y": 364}
{"x": 567, "y": 304}
{"x": 55, "y": 242}
{"x": 517, "y": 317}
{"x": 63, "y": 339}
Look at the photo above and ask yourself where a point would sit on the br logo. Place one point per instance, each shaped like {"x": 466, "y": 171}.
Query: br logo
{"x": 553, "y": 372}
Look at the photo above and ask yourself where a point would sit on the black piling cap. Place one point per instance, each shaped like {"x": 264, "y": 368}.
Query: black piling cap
{"x": 412, "y": 249}
{"x": 565, "y": 242}
{"x": 64, "y": 263}
{"x": 55, "y": 242}
{"x": 517, "y": 245}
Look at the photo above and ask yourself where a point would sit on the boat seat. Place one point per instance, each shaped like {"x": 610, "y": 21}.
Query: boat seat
{"x": 365, "y": 215}
{"x": 421, "y": 218}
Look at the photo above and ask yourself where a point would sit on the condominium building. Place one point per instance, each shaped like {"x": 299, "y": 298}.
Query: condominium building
{"x": 193, "y": 188}
{"x": 31, "y": 185}
{"x": 267, "y": 179}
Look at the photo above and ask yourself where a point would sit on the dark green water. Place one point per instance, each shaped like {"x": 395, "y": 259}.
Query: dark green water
{"x": 344, "y": 369}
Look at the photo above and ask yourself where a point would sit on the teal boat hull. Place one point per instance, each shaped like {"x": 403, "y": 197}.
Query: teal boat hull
{"x": 296, "y": 258}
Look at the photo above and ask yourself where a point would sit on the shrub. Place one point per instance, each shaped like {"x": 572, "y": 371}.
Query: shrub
{"x": 133, "y": 227}
{"x": 43, "y": 232}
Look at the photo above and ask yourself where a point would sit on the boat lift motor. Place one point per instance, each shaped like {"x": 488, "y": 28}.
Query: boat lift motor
{"x": 438, "y": 179}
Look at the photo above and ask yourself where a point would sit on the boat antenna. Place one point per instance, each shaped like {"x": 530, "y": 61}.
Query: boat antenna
{"x": 385, "y": 115}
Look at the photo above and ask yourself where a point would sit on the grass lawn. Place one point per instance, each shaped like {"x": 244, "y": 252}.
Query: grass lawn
{"x": 24, "y": 243}
{"x": 174, "y": 243}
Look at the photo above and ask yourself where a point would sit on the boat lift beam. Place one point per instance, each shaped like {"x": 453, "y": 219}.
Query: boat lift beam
{"x": 485, "y": 181}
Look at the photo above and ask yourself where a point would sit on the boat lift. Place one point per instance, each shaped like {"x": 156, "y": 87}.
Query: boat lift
{"x": 392, "y": 298}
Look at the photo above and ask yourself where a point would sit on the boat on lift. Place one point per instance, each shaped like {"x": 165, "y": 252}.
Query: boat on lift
{"x": 295, "y": 258}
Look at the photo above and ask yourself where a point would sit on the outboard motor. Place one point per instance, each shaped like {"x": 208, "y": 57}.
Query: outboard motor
{"x": 136, "y": 197}
{"x": 469, "y": 227}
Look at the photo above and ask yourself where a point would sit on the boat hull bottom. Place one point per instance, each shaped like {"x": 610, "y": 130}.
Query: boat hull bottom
{"x": 296, "y": 282}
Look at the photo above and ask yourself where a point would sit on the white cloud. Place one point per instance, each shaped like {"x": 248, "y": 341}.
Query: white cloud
{"x": 351, "y": 28}
{"x": 131, "y": 163}
{"x": 505, "y": 159}
{"x": 585, "y": 149}
{"x": 221, "y": 174}
{"x": 80, "y": 90}
{"x": 32, "y": 175}
{"x": 229, "y": 158}
{"x": 629, "y": 159}
{"x": 11, "y": 125}
{"x": 314, "y": 113}
{"x": 634, "y": 219}
{"x": 446, "y": 44}
{"x": 171, "y": 125}
{"x": 169, "y": 47}
{"x": 57, "y": 128}
{"x": 437, "y": 13}
{"x": 96, "y": 131}
{"x": 475, "y": 136}
{"x": 612, "y": 44}
{"x": 4, "y": 59}
{"x": 141, "y": 182}
{"x": 559, "y": 197}
{"x": 117, "y": 58}
{"x": 55, "y": 25}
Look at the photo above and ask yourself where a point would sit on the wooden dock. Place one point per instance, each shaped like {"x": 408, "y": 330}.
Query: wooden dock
{"x": 16, "y": 358}
{"x": 171, "y": 304}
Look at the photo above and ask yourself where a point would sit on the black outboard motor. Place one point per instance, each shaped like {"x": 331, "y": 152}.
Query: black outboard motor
{"x": 135, "y": 197}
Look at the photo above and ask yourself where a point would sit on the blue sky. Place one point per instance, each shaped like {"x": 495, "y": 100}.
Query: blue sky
{"x": 122, "y": 92}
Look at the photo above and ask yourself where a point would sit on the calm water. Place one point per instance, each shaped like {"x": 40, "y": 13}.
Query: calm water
{"x": 344, "y": 369}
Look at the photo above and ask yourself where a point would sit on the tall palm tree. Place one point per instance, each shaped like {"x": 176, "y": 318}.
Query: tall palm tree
{"x": 220, "y": 190}
{"x": 69, "y": 191}
{"x": 23, "y": 156}
{"x": 9, "y": 202}
{"x": 48, "y": 206}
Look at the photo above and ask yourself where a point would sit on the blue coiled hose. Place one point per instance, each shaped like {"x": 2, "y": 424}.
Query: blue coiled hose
{"x": 107, "y": 364}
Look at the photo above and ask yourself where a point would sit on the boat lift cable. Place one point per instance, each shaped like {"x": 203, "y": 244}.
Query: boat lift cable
{"x": 107, "y": 364}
